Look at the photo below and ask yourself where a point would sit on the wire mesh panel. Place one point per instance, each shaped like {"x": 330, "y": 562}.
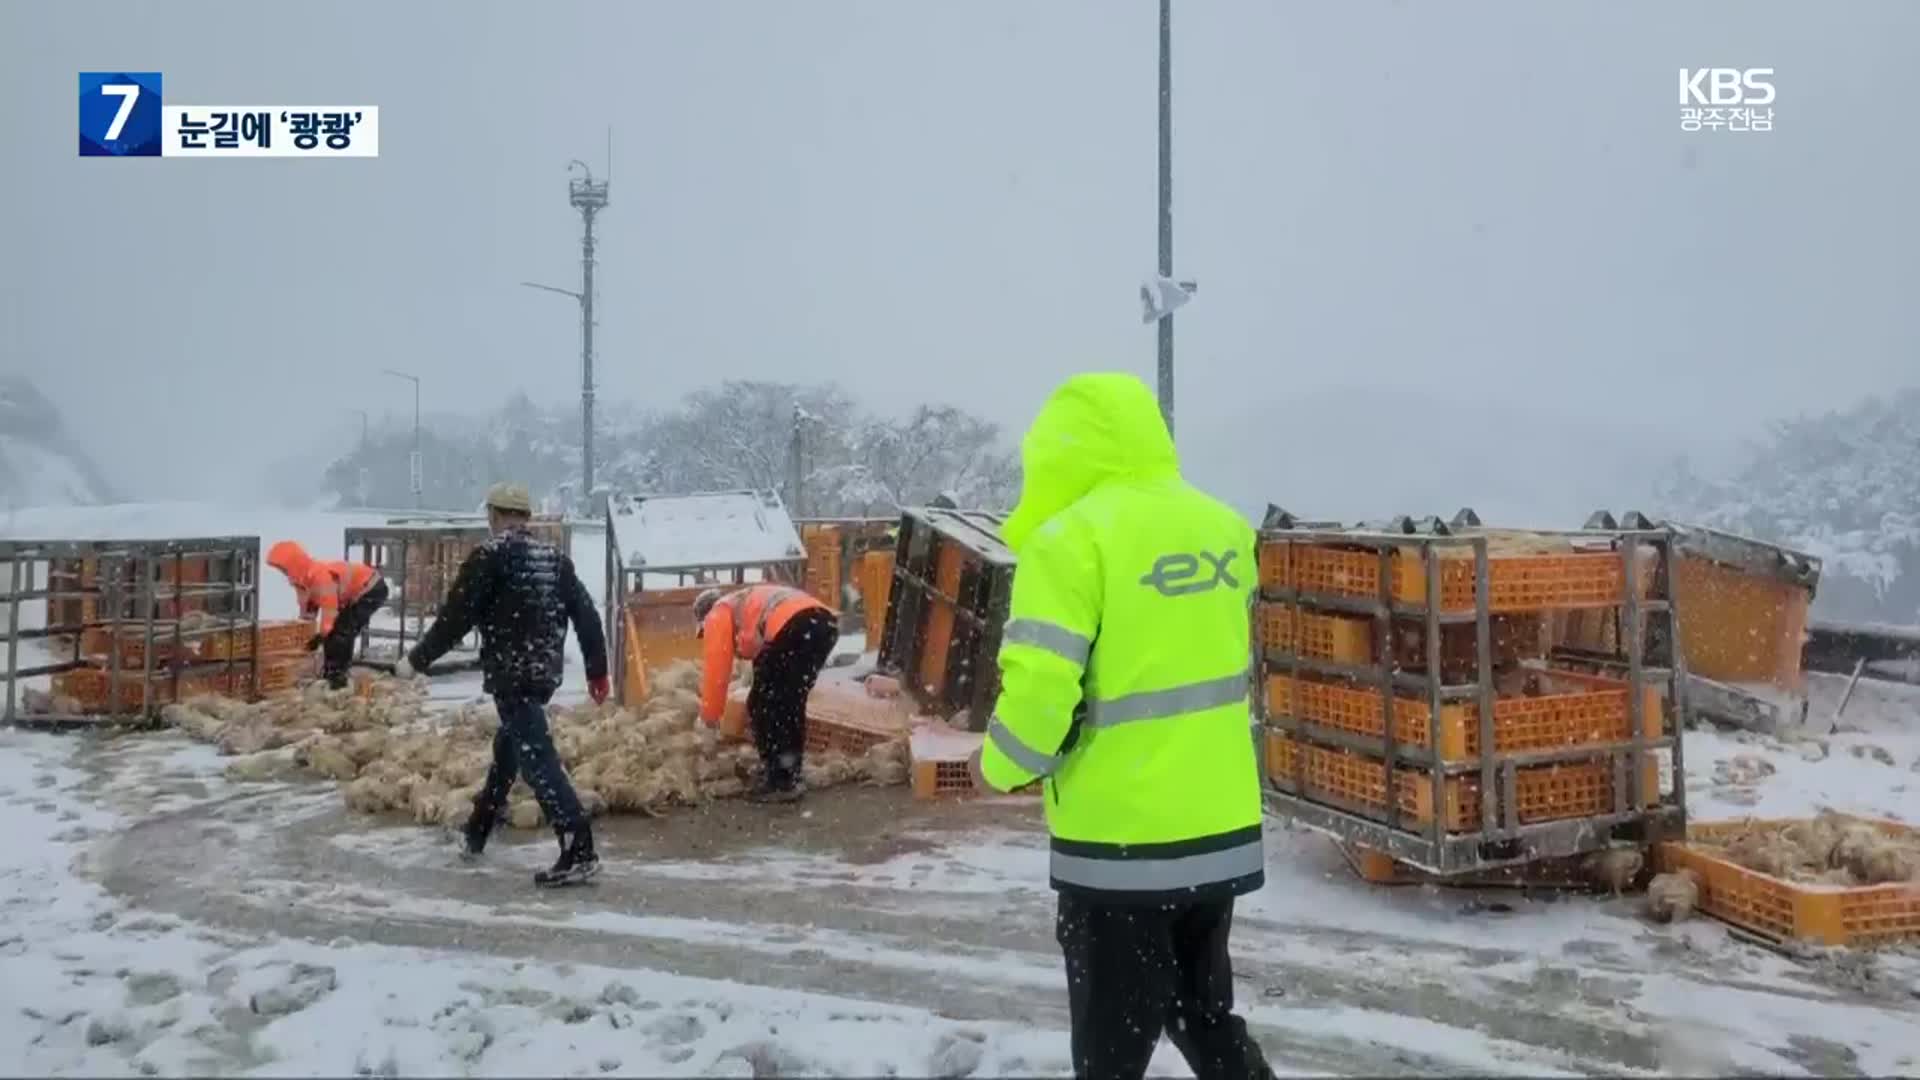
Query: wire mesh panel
{"x": 419, "y": 562}
{"x": 113, "y": 630}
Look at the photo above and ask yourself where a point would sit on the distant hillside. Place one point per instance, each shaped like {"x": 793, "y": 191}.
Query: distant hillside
{"x": 1844, "y": 486}
{"x": 41, "y": 464}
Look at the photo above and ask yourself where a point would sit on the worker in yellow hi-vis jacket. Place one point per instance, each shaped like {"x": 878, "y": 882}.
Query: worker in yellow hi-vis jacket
{"x": 1124, "y": 683}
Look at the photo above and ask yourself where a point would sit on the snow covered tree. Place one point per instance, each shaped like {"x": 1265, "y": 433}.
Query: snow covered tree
{"x": 1845, "y": 487}
{"x": 896, "y": 463}
{"x": 740, "y": 434}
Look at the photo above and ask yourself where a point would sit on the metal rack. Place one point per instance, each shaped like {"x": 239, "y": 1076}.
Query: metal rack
{"x": 162, "y": 594}
{"x": 947, "y": 609}
{"x": 853, "y": 538}
{"x": 419, "y": 562}
{"x": 629, "y": 600}
{"x": 1501, "y": 839}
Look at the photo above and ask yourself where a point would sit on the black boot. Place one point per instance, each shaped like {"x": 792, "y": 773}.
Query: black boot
{"x": 474, "y": 833}
{"x": 780, "y": 783}
{"x": 577, "y": 861}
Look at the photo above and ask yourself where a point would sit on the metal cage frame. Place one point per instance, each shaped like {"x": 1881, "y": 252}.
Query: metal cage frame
{"x": 1501, "y": 839}
{"x": 979, "y": 608}
{"x": 131, "y": 590}
{"x": 624, "y": 581}
{"x": 390, "y": 549}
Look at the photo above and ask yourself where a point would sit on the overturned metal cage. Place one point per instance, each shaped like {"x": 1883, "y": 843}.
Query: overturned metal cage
{"x": 663, "y": 550}
{"x": 419, "y": 563}
{"x": 124, "y": 627}
{"x": 946, "y": 610}
{"x": 1384, "y": 725}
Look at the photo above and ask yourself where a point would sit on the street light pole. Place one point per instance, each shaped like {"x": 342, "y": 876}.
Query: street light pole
{"x": 1166, "y": 204}
{"x": 585, "y": 300}
{"x": 360, "y": 479}
{"x": 414, "y": 466}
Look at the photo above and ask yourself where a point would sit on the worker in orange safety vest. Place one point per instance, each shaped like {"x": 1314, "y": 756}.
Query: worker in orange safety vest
{"x": 788, "y": 636}
{"x": 342, "y": 595}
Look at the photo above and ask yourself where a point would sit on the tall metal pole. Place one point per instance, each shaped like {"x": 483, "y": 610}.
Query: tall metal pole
{"x": 589, "y": 197}
{"x": 586, "y": 353}
{"x": 1166, "y": 204}
{"x": 416, "y": 467}
{"x": 795, "y": 472}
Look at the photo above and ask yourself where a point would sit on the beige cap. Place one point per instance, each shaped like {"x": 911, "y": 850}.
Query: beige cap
{"x": 510, "y": 497}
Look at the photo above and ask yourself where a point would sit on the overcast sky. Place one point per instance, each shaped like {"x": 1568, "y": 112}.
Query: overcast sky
{"x": 1489, "y": 207}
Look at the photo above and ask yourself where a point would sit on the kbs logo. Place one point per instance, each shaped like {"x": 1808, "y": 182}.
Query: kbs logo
{"x": 1726, "y": 98}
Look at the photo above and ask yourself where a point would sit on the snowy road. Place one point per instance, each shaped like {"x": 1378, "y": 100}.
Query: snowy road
{"x": 161, "y": 920}
{"x": 862, "y": 934}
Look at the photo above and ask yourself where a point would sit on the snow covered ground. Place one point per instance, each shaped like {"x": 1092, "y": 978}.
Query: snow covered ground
{"x": 161, "y": 919}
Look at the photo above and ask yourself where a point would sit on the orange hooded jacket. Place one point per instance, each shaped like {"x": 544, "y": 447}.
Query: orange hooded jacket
{"x": 322, "y": 587}
{"x": 740, "y": 624}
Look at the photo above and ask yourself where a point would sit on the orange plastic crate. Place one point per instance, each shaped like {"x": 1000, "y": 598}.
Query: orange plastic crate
{"x": 1582, "y": 709}
{"x": 939, "y": 764}
{"x": 276, "y": 673}
{"x": 90, "y": 687}
{"x": 1779, "y": 910}
{"x": 1343, "y": 639}
{"x": 850, "y": 722}
{"x": 941, "y": 780}
{"x": 733, "y": 722}
{"x": 1276, "y": 564}
{"x": 876, "y": 588}
{"x": 1357, "y": 783}
{"x": 277, "y": 637}
{"x": 822, "y": 577}
{"x": 1515, "y": 582}
{"x": 132, "y": 647}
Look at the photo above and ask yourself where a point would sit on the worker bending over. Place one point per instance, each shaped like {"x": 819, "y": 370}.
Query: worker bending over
{"x": 1124, "y": 683}
{"x": 344, "y": 595}
{"x": 521, "y": 592}
{"x": 787, "y": 635}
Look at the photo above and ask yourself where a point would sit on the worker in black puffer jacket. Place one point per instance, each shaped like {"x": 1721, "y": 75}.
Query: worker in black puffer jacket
{"x": 520, "y": 592}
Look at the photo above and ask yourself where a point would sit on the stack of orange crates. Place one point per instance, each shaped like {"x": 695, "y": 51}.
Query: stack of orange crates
{"x": 1536, "y": 708}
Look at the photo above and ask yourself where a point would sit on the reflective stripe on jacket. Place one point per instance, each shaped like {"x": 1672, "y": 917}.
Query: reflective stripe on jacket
{"x": 740, "y": 625}
{"x": 1125, "y": 658}
{"x": 329, "y": 586}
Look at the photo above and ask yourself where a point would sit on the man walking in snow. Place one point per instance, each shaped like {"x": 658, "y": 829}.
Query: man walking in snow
{"x": 521, "y": 592}
{"x": 788, "y": 635}
{"x": 1124, "y": 683}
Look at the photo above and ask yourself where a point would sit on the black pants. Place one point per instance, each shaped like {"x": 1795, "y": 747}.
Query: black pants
{"x": 783, "y": 676}
{"x": 337, "y": 649}
{"x": 1133, "y": 972}
{"x": 523, "y": 746}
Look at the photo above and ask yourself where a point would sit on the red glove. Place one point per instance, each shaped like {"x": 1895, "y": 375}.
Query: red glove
{"x": 598, "y": 689}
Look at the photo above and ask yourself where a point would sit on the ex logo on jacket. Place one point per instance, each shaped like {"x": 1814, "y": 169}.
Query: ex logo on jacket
{"x": 1182, "y": 574}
